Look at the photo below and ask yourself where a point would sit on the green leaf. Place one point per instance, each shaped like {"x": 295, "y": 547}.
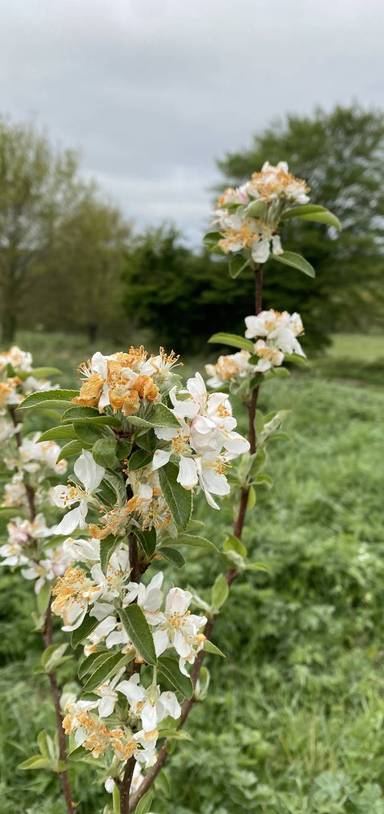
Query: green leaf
{"x": 168, "y": 671}
{"x": 158, "y": 416}
{"x": 190, "y": 540}
{"x": 107, "y": 548}
{"x": 35, "y": 762}
{"x": 296, "y": 261}
{"x": 296, "y": 359}
{"x": 81, "y": 632}
{"x": 209, "y": 647}
{"x": 236, "y": 265}
{"x": 70, "y": 450}
{"x": 251, "y": 502}
{"x": 108, "y": 668}
{"x": 52, "y": 657}
{"x": 95, "y": 421}
{"x": 233, "y": 341}
{"x": 234, "y": 544}
{"x": 172, "y": 555}
{"x": 43, "y": 597}
{"x": 104, "y": 451}
{"x": 90, "y": 663}
{"x": 257, "y": 209}
{"x": 147, "y": 440}
{"x": 144, "y": 805}
{"x": 118, "y": 486}
{"x": 313, "y": 212}
{"x": 44, "y": 372}
{"x": 86, "y": 433}
{"x": 58, "y": 433}
{"x": 139, "y": 632}
{"x": 178, "y": 499}
{"x": 219, "y": 592}
{"x": 45, "y": 397}
{"x": 75, "y": 412}
{"x": 147, "y": 541}
{"x": 139, "y": 459}
{"x": 211, "y": 239}
{"x": 8, "y": 512}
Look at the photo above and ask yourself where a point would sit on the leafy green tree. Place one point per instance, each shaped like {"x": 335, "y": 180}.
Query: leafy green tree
{"x": 85, "y": 265}
{"x": 185, "y": 296}
{"x": 340, "y": 154}
{"x": 38, "y": 186}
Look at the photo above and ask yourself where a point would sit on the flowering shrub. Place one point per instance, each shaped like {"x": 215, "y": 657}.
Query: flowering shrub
{"x": 145, "y": 444}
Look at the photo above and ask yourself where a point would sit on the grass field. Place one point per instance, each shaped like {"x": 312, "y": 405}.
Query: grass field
{"x": 294, "y": 719}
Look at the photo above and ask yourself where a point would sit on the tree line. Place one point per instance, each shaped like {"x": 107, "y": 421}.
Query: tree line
{"x": 69, "y": 260}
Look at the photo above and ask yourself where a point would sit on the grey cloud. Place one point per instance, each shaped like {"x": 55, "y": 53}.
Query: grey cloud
{"x": 152, "y": 92}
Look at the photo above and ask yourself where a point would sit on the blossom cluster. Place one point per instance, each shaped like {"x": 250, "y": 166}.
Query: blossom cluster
{"x": 86, "y": 589}
{"x": 124, "y": 381}
{"x": 167, "y": 430}
{"x": 247, "y": 217}
{"x": 29, "y": 464}
{"x": 17, "y": 379}
{"x": 274, "y": 335}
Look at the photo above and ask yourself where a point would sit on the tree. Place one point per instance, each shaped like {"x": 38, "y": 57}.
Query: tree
{"x": 340, "y": 154}
{"x": 85, "y": 265}
{"x": 38, "y": 187}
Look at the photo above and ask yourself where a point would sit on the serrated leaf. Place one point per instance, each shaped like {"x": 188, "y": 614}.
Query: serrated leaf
{"x": 58, "y": 433}
{"x": 139, "y": 632}
{"x": 312, "y": 212}
{"x": 172, "y": 555}
{"x": 61, "y": 397}
{"x": 233, "y": 340}
{"x": 219, "y": 592}
{"x": 209, "y": 647}
{"x": 81, "y": 632}
{"x": 111, "y": 665}
{"x": 296, "y": 261}
{"x": 168, "y": 670}
{"x": 179, "y": 500}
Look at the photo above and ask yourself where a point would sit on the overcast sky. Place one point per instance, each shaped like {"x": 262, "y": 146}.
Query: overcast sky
{"x": 152, "y": 92}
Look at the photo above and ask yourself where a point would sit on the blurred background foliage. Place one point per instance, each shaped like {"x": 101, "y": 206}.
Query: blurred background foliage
{"x": 69, "y": 259}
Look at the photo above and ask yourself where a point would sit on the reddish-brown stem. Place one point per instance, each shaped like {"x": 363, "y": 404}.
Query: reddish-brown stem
{"x": 55, "y": 693}
{"x": 151, "y": 775}
{"x": 48, "y": 640}
{"x": 125, "y": 786}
